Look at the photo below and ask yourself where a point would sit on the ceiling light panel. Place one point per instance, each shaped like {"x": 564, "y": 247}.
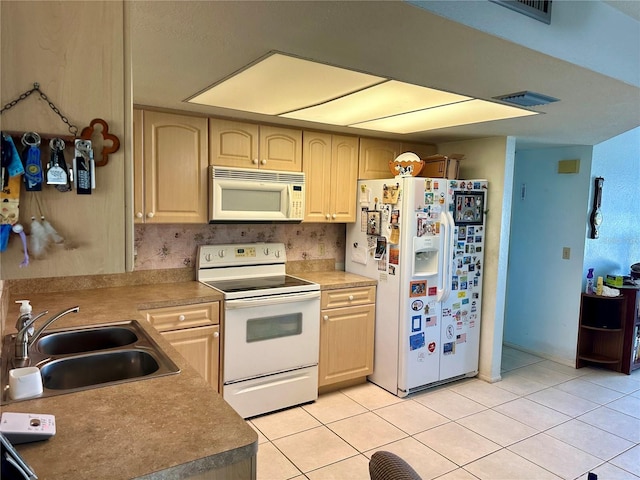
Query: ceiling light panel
{"x": 280, "y": 83}
{"x": 463, "y": 113}
{"x": 382, "y": 100}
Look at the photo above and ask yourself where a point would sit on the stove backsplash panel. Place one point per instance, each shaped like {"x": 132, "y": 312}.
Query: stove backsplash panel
{"x": 175, "y": 245}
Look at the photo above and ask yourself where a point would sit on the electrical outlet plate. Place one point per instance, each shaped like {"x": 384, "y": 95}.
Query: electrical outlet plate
{"x": 566, "y": 253}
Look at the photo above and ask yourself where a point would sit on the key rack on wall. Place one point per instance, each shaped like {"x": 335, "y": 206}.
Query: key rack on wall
{"x": 110, "y": 143}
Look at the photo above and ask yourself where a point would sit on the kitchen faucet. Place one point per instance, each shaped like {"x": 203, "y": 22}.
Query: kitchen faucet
{"x": 25, "y": 339}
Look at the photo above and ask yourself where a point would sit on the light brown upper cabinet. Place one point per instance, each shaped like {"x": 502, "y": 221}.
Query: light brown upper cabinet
{"x": 423, "y": 150}
{"x": 170, "y": 168}
{"x": 247, "y": 145}
{"x": 331, "y": 177}
{"x": 375, "y": 155}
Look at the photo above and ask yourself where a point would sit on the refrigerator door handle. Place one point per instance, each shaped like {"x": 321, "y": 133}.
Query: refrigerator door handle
{"x": 444, "y": 279}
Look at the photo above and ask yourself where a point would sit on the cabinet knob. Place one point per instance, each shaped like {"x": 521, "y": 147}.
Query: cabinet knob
{"x": 263, "y": 162}
{"x": 150, "y": 215}
{"x": 216, "y": 334}
{"x": 255, "y": 161}
{"x": 334, "y": 216}
{"x": 181, "y": 318}
{"x": 327, "y": 216}
{"x": 325, "y": 318}
{"x": 351, "y": 298}
{"x": 139, "y": 215}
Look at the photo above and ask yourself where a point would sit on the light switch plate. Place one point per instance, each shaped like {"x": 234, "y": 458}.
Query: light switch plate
{"x": 566, "y": 253}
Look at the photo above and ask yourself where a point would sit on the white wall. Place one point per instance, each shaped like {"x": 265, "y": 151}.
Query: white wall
{"x": 579, "y": 33}
{"x": 493, "y": 159}
{"x": 543, "y": 289}
{"x": 618, "y": 245}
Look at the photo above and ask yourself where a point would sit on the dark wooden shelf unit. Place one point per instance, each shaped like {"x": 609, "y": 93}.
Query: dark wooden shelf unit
{"x": 607, "y": 331}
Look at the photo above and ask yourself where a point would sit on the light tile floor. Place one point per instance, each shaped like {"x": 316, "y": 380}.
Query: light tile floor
{"x": 542, "y": 421}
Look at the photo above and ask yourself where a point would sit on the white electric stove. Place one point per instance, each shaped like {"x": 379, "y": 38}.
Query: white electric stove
{"x": 271, "y": 326}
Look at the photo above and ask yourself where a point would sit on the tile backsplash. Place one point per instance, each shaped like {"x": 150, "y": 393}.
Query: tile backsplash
{"x": 175, "y": 245}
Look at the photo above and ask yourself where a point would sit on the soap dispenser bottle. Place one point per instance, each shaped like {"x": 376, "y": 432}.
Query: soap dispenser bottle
{"x": 25, "y": 315}
{"x": 589, "y": 289}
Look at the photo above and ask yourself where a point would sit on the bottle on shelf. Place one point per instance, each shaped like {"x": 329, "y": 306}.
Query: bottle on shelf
{"x": 589, "y": 288}
{"x": 599, "y": 286}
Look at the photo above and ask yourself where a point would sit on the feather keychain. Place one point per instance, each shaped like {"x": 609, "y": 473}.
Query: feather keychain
{"x": 37, "y": 238}
{"x": 51, "y": 234}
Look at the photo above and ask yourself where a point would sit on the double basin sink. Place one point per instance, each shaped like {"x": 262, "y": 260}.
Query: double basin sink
{"x": 77, "y": 359}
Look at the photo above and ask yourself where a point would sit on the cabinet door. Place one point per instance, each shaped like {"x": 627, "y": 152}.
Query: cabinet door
{"x": 280, "y": 149}
{"x": 375, "y": 155}
{"x": 316, "y": 156}
{"x": 344, "y": 178}
{"x": 201, "y": 348}
{"x": 346, "y": 344}
{"x": 175, "y": 168}
{"x": 233, "y": 144}
{"x": 423, "y": 150}
{"x": 138, "y": 167}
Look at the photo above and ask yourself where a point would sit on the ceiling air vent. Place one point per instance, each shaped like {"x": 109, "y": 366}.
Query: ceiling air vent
{"x": 538, "y": 9}
{"x": 527, "y": 99}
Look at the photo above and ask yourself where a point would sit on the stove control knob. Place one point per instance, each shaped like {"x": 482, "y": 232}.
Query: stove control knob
{"x": 266, "y": 252}
{"x": 207, "y": 257}
{"x": 277, "y": 254}
{"x": 221, "y": 253}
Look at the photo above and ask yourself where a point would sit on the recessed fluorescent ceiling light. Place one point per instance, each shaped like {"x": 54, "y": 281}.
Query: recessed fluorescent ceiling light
{"x": 463, "y": 113}
{"x": 295, "y": 88}
{"x": 383, "y": 100}
{"x": 280, "y": 83}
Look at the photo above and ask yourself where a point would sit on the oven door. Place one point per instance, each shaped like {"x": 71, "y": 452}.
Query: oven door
{"x": 266, "y": 335}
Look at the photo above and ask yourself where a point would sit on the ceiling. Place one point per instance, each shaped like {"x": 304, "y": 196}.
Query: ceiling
{"x": 180, "y": 48}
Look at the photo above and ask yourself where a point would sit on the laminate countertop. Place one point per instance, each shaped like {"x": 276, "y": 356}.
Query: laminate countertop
{"x": 333, "y": 279}
{"x": 158, "y": 428}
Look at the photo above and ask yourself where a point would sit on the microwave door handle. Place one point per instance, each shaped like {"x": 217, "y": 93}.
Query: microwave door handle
{"x": 289, "y": 202}
{"x": 273, "y": 300}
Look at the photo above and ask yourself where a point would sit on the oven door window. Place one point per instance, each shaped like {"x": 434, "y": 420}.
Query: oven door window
{"x": 268, "y": 328}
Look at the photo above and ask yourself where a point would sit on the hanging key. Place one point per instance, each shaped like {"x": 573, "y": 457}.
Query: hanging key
{"x": 82, "y": 163}
{"x": 33, "y": 177}
{"x": 56, "y": 175}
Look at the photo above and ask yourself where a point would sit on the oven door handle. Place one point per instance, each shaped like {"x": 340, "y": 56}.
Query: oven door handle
{"x": 272, "y": 300}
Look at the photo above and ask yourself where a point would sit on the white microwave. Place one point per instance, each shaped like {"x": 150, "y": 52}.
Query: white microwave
{"x": 255, "y": 195}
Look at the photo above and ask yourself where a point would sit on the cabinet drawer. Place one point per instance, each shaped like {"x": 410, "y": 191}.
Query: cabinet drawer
{"x": 345, "y": 297}
{"x": 183, "y": 316}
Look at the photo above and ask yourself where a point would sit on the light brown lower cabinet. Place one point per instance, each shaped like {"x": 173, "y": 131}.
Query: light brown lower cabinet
{"x": 194, "y": 331}
{"x": 347, "y": 321}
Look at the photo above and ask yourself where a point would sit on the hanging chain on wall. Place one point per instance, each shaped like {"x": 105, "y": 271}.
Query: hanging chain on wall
{"x": 36, "y": 87}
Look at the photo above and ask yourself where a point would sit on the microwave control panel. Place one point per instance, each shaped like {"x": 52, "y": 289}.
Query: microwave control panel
{"x": 297, "y": 201}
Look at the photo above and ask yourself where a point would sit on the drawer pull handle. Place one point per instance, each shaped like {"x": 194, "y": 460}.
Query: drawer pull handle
{"x": 325, "y": 318}
{"x": 181, "y": 318}
{"x": 351, "y": 298}
{"x": 216, "y": 334}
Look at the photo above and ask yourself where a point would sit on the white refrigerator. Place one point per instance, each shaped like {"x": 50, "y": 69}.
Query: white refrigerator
{"x": 423, "y": 240}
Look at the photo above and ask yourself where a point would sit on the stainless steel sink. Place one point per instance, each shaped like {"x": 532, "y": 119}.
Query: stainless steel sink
{"x": 76, "y": 359}
{"x": 79, "y": 341}
{"x": 96, "y": 368}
